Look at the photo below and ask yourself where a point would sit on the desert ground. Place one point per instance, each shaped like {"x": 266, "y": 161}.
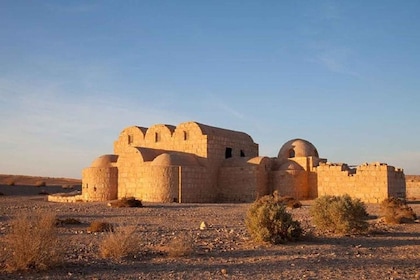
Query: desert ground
{"x": 223, "y": 250}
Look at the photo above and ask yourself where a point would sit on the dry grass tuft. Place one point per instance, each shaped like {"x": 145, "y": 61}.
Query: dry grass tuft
{"x": 396, "y": 211}
{"x": 119, "y": 244}
{"x": 100, "y": 226}
{"x": 32, "y": 243}
{"x": 126, "y": 202}
{"x": 181, "y": 246}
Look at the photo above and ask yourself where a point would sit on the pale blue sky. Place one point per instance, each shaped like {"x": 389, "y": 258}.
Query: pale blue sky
{"x": 342, "y": 74}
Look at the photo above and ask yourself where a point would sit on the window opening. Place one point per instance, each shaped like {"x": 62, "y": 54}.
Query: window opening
{"x": 228, "y": 152}
{"x": 130, "y": 139}
{"x": 185, "y": 135}
{"x": 291, "y": 153}
{"x": 242, "y": 153}
{"x": 157, "y": 138}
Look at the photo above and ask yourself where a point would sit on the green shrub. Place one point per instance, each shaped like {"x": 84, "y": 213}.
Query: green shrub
{"x": 268, "y": 221}
{"x": 339, "y": 214}
{"x": 396, "y": 211}
{"x": 32, "y": 243}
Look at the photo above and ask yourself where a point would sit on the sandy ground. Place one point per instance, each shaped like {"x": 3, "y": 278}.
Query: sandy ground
{"x": 223, "y": 250}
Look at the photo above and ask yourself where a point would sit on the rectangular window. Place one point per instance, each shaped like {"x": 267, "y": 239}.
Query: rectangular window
{"x": 185, "y": 135}
{"x": 157, "y": 137}
{"x": 130, "y": 139}
{"x": 228, "y": 152}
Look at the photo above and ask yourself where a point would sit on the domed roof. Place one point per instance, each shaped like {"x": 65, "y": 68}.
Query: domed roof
{"x": 297, "y": 148}
{"x": 167, "y": 159}
{"x": 104, "y": 161}
{"x": 290, "y": 165}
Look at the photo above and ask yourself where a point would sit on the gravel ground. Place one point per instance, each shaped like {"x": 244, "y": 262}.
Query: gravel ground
{"x": 221, "y": 251}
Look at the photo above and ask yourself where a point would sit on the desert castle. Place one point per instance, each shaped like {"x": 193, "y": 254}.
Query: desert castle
{"x": 197, "y": 163}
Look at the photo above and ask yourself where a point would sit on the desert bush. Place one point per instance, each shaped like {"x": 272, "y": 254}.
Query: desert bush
{"x": 288, "y": 201}
{"x": 119, "y": 243}
{"x": 40, "y": 184}
{"x": 33, "y": 243}
{"x": 67, "y": 221}
{"x": 181, "y": 246}
{"x": 100, "y": 226}
{"x": 268, "y": 221}
{"x": 396, "y": 211}
{"x": 339, "y": 214}
{"x": 126, "y": 202}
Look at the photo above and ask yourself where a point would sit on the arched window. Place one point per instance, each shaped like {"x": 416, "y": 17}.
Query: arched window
{"x": 291, "y": 153}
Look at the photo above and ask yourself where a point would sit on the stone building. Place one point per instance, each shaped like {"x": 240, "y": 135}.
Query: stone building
{"x": 197, "y": 163}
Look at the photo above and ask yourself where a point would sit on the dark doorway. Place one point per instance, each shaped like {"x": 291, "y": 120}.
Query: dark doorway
{"x": 228, "y": 153}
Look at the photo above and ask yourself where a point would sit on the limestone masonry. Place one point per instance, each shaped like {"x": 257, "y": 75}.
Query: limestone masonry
{"x": 193, "y": 162}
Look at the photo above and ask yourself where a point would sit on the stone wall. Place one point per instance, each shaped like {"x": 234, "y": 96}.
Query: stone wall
{"x": 413, "y": 187}
{"x": 99, "y": 183}
{"x": 290, "y": 183}
{"x": 369, "y": 182}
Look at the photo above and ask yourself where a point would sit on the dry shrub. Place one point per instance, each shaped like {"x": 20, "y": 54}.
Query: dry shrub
{"x": 181, "y": 246}
{"x": 100, "y": 226}
{"x": 288, "y": 201}
{"x": 268, "y": 221}
{"x": 32, "y": 243}
{"x": 67, "y": 221}
{"x": 10, "y": 182}
{"x": 119, "y": 244}
{"x": 40, "y": 184}
{"x": 339, "y": 214}
{"x": 126, "y": 202}
{"x": 396, "y": 211}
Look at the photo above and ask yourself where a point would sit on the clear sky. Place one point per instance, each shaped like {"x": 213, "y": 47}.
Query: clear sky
{"x": 344, "y": 75}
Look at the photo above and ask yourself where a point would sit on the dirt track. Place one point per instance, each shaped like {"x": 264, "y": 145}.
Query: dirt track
{"x": 223, "y": 250}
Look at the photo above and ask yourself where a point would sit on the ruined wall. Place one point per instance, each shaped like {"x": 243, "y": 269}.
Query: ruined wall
{"x": 412, "y": 187}
{"x": 99, "y": 183}
{"x": 369, "y": 182}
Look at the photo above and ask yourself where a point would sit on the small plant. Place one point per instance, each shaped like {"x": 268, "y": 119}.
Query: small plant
{"x": 10, "y": 182}
{"x": 40, "y": 184}
{"x": 126, "y": 202}
{"x": 180, "y": 246}
{"x": 396, "y": 211}
{"x": 268, "y": 221}
{"x": 119, "y": 243}
{"x": 339, "y": 214}
{"x": 288, "y": 201}
{"x": 99, "y": 226}
{"x": 32, "y": 243}
{"x": 67, "y": 221}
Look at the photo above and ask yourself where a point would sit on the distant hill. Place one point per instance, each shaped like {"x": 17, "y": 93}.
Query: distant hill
{"x": 24, "y": 180}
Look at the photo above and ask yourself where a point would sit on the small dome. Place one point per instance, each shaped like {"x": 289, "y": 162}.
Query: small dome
{"x": 104, "y": 161}
{"x": 290, "y": 165}
{"x": 297, "y": 148}
{"x": 178, "y": 159}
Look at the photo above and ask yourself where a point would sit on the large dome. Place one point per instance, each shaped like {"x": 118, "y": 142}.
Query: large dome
{"x": 297, "y": 148}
